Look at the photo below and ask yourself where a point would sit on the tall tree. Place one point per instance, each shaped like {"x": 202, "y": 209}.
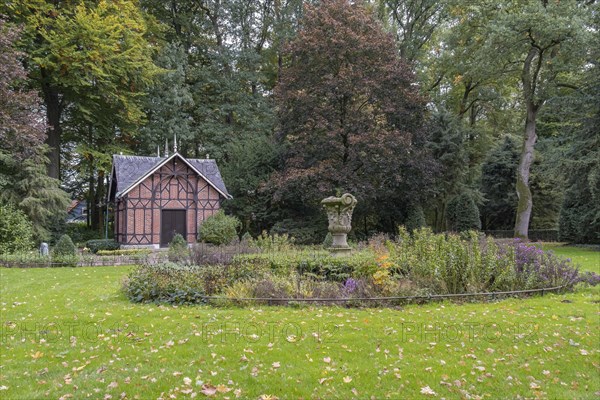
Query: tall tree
{"x": 580, "y": 212}
{"x": 91, "y": 62}
{"x": 513, "y": 56}
{"x": 498, "y": 186}
{"x": 350, "y": 116}
{"x": 23, "y": 180}
{"x": 414, "y": 23}
{"x": 542, "y": 43}
{"x": 22, "y": 126}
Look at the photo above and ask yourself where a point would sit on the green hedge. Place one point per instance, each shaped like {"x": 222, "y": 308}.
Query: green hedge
{"x": 124, "y": 252}
{"x": 315, "y": 264}
{"x": 102, "y": 244}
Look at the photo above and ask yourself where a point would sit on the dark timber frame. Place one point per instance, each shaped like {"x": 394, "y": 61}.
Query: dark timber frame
{"x": 173, "y": 183}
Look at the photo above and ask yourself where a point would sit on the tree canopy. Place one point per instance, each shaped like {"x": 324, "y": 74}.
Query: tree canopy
{"x": 413, "y": 106}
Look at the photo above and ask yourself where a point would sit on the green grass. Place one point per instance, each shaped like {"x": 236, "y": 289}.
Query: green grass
{"x": 69, "y": 331}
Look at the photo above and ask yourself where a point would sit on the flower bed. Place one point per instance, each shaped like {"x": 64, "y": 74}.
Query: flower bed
{"x": 418, "y": 265}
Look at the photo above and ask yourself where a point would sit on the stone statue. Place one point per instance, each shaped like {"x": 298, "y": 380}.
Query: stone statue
{"x": 44, "y": 249}
{"x": 339, "y": 213}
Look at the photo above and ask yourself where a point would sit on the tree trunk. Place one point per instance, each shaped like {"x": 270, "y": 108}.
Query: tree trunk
{"x": 53, "y": 113}
{"x": 100, "y": 200}
{"x": 525, "y": 203}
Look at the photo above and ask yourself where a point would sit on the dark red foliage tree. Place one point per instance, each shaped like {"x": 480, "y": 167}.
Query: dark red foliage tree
{"x": 22, "y": 125}
{"x": 350, "y": 114}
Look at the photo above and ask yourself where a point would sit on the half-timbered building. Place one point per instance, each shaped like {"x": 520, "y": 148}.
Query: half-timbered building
{"x": 155, "y": 198}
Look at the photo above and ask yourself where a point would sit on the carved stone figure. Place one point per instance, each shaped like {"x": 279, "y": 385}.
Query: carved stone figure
{"x": 339, "y": 213}
{"x": 44, "y": 249}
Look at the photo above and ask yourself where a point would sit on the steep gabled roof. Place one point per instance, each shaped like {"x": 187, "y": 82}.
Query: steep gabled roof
{"x": 129, "y": 171}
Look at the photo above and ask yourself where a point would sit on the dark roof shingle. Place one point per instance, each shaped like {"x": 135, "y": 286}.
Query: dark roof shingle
{"x": 129, "y": 169}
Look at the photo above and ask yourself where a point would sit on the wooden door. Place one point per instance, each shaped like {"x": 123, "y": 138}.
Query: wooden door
{"x": 171, "y": 223}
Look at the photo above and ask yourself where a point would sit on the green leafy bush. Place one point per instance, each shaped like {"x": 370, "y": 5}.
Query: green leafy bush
{"x": 64, "y": 247}
{"x": 102, "y": 244}
{"x": 80, "y": 233}
{"x": 178, "y": 250}
{"x": 219, "y": 229}
{"x": 420, "y": 263}
{"x": 306, "y": 231}
{"x": 415, "y": 218}
{"x": 313, "y": 264}
{"x": 247, "y": 237}
{"x": 164, "y": 283}
{"x": 16, "y": 230}
{"x": 463, "y": 214}
{"x": 274, "y": 242}
{"x": 184, "y": 284}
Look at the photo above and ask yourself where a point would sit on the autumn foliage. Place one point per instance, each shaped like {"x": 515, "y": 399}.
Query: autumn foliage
{"x": 350, "y": 112}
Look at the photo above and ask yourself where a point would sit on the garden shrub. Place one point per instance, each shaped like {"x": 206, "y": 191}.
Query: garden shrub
{"x": 415, "y": 217}
{"x": 178, "y": 250}
{"x": 274, "y": 242}
{"x": 312, "y": 264}
{"x": 102, "y": 244}
{"x": 64, "y": 247}
{"x": 535, "y": 268}
{"x": 80, "y": 233}
{"x": 205, "y": 253}
{"x": 328, "y": 241}
{"x": 246, "y": 237}
{"x": 164, "y": 283}
{"x": 219, "y": 229}
{"x": 307, "y": 231}
{"x": 463, "y": 214}
{"x": 417, "y": 264}
{"x": 173, "y": 283}
{"x": 16, "y": 230}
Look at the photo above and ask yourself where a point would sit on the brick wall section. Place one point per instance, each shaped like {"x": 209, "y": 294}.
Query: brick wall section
{"x": 174, "y": 186}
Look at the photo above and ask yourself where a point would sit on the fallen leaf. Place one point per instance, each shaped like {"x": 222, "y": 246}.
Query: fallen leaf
{"x": 428, "y": 391}
{"x": 268, "y": 397}
{"x": 223, "y": 389}
{"x": 208, "y": 390}
{"x": 347, "y": 379}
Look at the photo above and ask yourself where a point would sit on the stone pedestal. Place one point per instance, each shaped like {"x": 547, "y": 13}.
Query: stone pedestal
{"x": 339, "y": 213}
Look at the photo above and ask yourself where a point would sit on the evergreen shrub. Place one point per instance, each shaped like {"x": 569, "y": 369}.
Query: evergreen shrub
{"x": 463, "y": 214}
{"x": 16, "y": 230}
{"x": 64, "y": 247}
{"x": 178, "y": 249}
{"x": 219, "y": 229}
{"x": 102, "y": 244}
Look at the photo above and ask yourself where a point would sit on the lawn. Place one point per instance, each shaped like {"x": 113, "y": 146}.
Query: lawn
{"x": 69, "y": 332}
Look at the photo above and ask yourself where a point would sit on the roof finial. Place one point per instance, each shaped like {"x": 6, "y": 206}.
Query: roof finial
{"x": 207, "y": 156}
{"x": 175, "y": 143}
{"x": 158, "y": 151}
{"x": 166, "y": 147}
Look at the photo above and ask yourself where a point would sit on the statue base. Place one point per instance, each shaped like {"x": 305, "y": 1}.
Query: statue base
{"x": 340, "y": 251}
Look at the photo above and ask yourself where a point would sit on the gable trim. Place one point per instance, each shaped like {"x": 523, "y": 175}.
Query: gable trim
{"x": 113, "y": 175}
{"x": 160, "y": 165}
